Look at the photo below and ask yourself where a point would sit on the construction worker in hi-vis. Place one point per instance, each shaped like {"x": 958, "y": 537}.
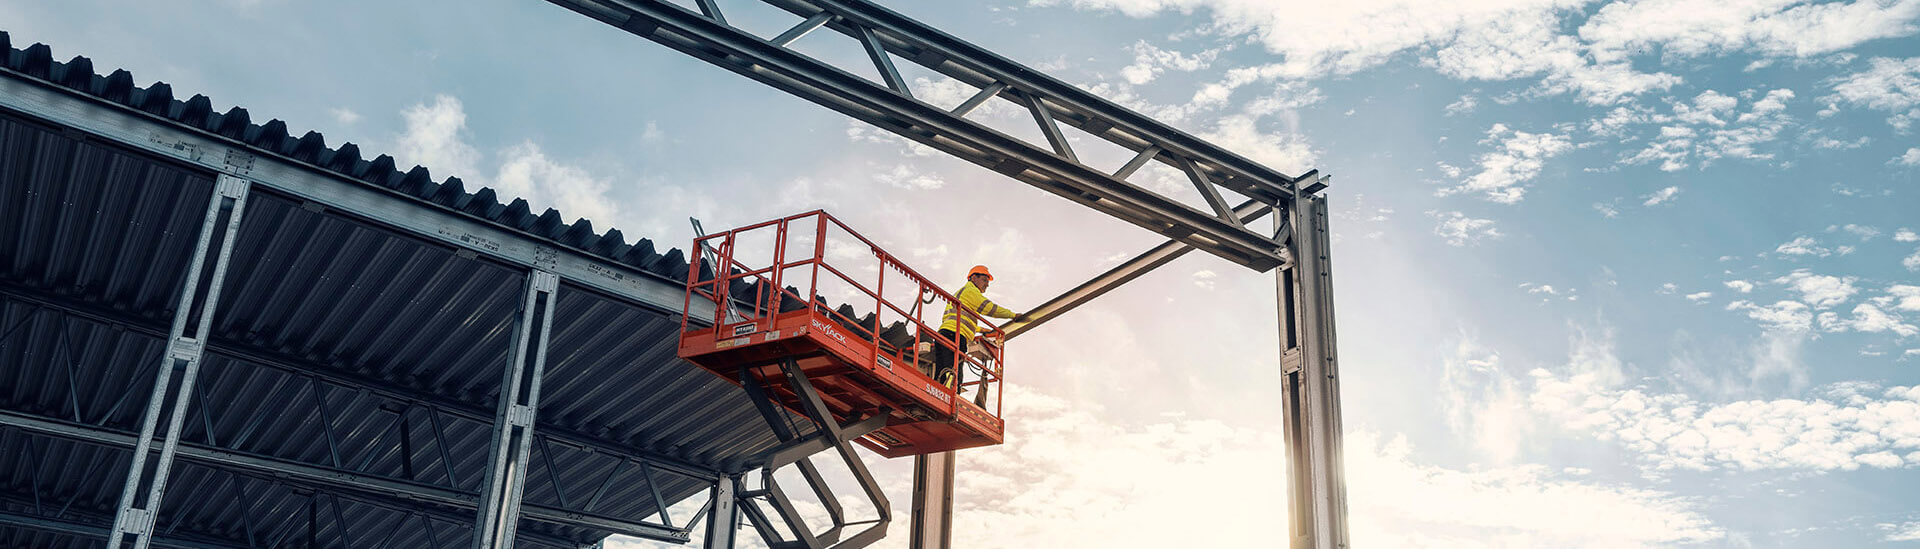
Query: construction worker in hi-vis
{"x": 961, "y": 328}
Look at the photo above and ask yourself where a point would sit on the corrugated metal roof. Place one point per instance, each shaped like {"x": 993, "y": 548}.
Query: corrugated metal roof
{"x": 336, "y": 339}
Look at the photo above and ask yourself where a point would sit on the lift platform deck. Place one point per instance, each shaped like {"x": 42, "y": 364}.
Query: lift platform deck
{"x": 862, "y": 365}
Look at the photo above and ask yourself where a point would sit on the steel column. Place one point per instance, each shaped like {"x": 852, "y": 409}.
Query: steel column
{"x": 1311, "y": 387}
{"x": 724, "y": 513}
{"x": 933, "y": 501}
{"x": 499, "y": 513}
{"x": 199, "y": 297}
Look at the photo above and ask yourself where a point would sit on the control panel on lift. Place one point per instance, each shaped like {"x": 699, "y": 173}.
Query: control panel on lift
{"x": 859, "y": 324}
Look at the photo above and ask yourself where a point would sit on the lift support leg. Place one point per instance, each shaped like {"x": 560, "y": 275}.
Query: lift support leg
{"x": 794, "y": 449}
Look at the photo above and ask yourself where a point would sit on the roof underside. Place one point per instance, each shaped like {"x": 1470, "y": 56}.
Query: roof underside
{"x": 339, "y": 343}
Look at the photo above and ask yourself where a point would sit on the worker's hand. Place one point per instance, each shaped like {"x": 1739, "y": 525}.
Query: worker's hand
{"x": 1022, "y": 317}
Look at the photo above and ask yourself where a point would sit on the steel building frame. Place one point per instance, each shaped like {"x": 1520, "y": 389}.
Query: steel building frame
{"x": 1296, "y": 250}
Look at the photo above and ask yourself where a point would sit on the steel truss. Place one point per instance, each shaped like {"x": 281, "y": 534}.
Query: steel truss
{"x": 889, "y": 37}
{"x": 240, "y": 171}
{"x": 1298, "y": 245}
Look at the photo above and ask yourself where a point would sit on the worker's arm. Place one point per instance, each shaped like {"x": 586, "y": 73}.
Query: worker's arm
{"x": 989, "y": 309}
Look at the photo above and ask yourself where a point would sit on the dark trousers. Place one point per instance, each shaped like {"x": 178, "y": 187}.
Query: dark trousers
{"x": 944, "y": 359}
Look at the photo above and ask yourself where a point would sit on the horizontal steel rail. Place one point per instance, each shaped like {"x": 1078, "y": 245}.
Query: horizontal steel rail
{"x": 338, "y": 479}
{"x": 296, "y": 366}
{"x": 76, "y": 528}
{"x": 891, "y": 106}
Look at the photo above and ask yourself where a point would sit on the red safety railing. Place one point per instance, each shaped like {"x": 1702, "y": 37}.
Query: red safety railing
{"x": 812, "y": 261}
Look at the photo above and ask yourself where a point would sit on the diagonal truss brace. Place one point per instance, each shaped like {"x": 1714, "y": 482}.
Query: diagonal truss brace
{"x": 889, "y": 37}
{"x": 795, "y": 449}
{"x": 134, "y": 519}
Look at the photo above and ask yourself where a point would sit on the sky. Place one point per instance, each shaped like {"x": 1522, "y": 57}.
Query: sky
{"x": 1635, "y": 273}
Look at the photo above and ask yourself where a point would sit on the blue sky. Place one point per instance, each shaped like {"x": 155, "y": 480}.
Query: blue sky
{"x": 1609, "y": 274}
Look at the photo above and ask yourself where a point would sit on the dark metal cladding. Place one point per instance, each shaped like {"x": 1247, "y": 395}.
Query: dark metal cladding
{"x": 337, "y": 343}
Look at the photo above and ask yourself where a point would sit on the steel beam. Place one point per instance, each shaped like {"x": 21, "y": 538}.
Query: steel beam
{"x": 1122, "y": 274}
{"x": 1311, "y": 386}
{"x": 301, "y": 367}
{"x": 82, "y": 529}
{"x": 1051, "y": 168}
{"x": 193, "y": 316}
{"x": 329, "y": 478}
{"x": 164, "y": 138}
{"x": 499, "y": 511}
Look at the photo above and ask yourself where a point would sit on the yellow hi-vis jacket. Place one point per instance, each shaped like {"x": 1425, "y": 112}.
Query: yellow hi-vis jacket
{"x": 974, "y": 300}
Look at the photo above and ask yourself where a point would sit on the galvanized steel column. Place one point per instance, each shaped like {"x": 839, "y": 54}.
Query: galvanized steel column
{"x": 499, "y": 513}
{"x": 199, "y": 296}
{"x": 1311, "y": 386}
{"x": 725, "y": 512}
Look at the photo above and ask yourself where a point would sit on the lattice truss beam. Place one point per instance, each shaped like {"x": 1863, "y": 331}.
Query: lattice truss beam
{"x": 892, "y": 41}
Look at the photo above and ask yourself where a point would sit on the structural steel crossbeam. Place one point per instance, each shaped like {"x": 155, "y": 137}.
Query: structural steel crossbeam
{"x": 75, "y": 528}
{"x": 1122, "y": 274}
{"x": 336, "y": 479}
{"x": 294, "y": 365}
{"x": 891, "y": 106}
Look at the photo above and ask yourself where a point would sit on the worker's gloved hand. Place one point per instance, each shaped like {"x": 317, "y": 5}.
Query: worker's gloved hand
{"x": 1022, "y": 317}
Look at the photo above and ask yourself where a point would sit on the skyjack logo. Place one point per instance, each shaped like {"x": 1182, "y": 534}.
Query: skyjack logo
{"x": 835, "y": 334}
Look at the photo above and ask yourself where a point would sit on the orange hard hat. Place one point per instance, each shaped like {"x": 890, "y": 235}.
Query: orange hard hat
{"x": 980, "y": 270}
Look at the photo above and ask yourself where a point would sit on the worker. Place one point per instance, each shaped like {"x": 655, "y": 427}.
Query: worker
{"x": 960, "y": 328}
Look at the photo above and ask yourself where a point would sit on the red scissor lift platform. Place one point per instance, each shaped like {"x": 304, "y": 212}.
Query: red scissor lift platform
{"x": 855, "y": 321}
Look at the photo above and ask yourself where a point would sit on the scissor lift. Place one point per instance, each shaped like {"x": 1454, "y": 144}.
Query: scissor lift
{"x": 810, "y": 316}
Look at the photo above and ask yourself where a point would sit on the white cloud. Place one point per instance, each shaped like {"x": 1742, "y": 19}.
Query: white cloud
{"x": 1518, "y": 158}
{"x": 1606, "y": 210}
{"x": 435, "y": 137}
{"x": 1803, "y": 245}
{"x": 1912, "y": 262}
{"x": 1204, "y": 279}
{"x": 1891, "y": 85}
{"x": 1862, "y": 231}
{"x": 651, "y": 133}
{"x": 905, "y": 176}
{"x": 1900, "y": 297}
{"x": 1668, "y": 288}
{"x": 1699, "y": 296}
{"x": 344, "y": 115}
{"x": 1902, "y": 532}
{"x": 1910, "y": 158}
{"x": 1660, "y": 196}
{"x": 1787, "y": 316}
{"x": 1905, "y": 235}
{"x": 1692, "y": 28}
{"x": 1820, "y": 291}
{"x": 528, "y": 173}
{"x": 1150, "y": 61}
{"x": 1856, "y": 426}
{"x": 1741, "y": 286}
{"x": 1287, "y": 151}
{"x": 1459, "y": 230}
{"x": 1062, "y": 458}
{"x": 1867, "y": 318}
{"x": 1465, "y": 104}
{"x": 1710, "y": 128}
{"x": 1829, "y": 143}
